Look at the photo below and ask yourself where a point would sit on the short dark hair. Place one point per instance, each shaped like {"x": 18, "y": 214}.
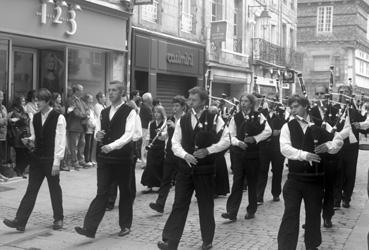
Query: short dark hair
{"x": 303, "y": 101}
{"x": 179, "y": 99}
{"x": 17, "y": 102}
{"x": 345, "y": 87}
{"x": 76, "y": 87}
{"x": 44, "y": 95}
{"x": 99, "y": 95}
{"x": 133, "y": 94}
{"x": 200, "y": 91}
{"x": 31, "y": 95}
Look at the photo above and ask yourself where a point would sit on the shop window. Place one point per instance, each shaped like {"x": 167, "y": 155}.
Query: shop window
{"x": 150, "y": 12}
{"x": 87, "y": 67}
{"x": 321, "y": 63}
{"x": 324, "y": 19}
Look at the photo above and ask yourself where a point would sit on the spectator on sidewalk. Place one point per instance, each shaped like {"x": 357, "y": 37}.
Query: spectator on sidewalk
{"x": 31, "y": 107}
{"x": 57, "y": 103}
{"x": 76, "y": 127}
{"x": 48, "y": 140}
{"x": 3, "y": 129}
{"x": 90, "y": 129}
{"x": 18, "y": 129}
{"x": 146, "y": 117}
{"x": 100, "y": 104}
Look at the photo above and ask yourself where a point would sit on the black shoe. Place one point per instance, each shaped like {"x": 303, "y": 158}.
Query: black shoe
{"x": 165, "y": 246}
{"x": 229, "y": 217}
{"x": 327, "y": 223}
{"x": 124, "y": 232}
{"x": 346, "y": 204}
{"x": 337, "y": 204}
{"x": 249, "y": 216}
{"x": 156, "y": 207}
{"x": 58, "y": 224}
{"x": 276, "y": 198}
{"x": 14, "y": 224}
{"x": 206, "y": 246}
{"x": 109, "y": 208}
{"x": 84, "y": 232}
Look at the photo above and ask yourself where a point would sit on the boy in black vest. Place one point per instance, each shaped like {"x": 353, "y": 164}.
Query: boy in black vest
{"x": 47, "y": 142}
{"x": 114, "y": 155}
{"x": 247, "y": 128}
{"x": 270, "y": 151}
{"x": 304, "y": 145}
{"x": 170, "y": 162}
{"x": 194, "y": 143}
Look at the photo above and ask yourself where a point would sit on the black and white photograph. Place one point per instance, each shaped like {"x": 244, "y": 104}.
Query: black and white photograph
{"x": 184, "y": 124}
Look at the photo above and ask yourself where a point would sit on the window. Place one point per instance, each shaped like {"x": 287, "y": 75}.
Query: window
{"x": 186, "y": 22}
{"x": 324, "y": 20}
{"x": 321, "y": 63}
{"x": 293, "y": 4}
{"x": 150, "y": 12}
{"x": 237, "y": 26}
{"x": 292, "y": 38}
{"x": 367, "y": 28}
{"x": 273, "y": 35}
{"x": 216, "y": 10}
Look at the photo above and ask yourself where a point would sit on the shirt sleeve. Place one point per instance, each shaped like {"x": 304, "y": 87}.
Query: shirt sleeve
{"x": 138, "y": 129}
{"x": 60, "y": 140}
{"x": 266, "y": 133}
{"x": 335, "y": 144}
{"x": 365, "y": 124}
{"x": 128, "y": 134}
{"x": 98, "y": 124}
{"x": 222, "y": 144}
{"x": 233, "y": 132}
{"x": 31, "y": 129}
{"x": 286, "y": 146}
{"x": 176, "y": 141}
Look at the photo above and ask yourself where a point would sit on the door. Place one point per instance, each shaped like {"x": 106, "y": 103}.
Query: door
{"x": 24, "y": 71}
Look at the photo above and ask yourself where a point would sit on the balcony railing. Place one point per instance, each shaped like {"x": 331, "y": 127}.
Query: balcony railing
{"x": 268, "y": 52}
{"x": 186, "y": 22}
{"x": 229, "y": 58}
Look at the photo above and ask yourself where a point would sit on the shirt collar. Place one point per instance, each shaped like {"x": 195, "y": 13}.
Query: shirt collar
{"x": 47, "y": 113}
{"x": 118, "y": 106}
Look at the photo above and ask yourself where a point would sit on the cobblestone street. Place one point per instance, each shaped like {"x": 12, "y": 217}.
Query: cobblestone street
{"x": 79, "y": 188}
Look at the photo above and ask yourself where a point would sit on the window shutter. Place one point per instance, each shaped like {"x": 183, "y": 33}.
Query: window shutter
{"x": 194, "y": 15}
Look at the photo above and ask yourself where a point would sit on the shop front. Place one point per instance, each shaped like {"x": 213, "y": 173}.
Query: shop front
{"x": 55, "y": 44}
{"x": 165, "y": 66}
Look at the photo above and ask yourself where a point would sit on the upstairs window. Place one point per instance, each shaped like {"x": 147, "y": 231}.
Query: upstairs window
{"x": 150, "y": 12}
{"x": 186, "y": 22}
{"x": 216, "y": 10}
{"x": 324, "y": 19}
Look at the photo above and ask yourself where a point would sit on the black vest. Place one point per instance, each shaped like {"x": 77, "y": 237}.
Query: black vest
{"x": 305, "y": 142}
{"x": 45, "y": 136}
{"x": 158, "y": 144}
{"x": 249, "y": 126}
{"x": 202, "y": 136}
{"x": 114, "y": 129}
{"x": 275, "y": 122}
{"x": 330, "y": 115}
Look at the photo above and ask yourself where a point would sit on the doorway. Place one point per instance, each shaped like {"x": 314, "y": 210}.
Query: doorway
{"x": 24, "y": 71}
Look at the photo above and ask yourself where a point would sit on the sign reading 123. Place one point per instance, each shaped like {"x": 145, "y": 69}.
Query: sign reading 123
{"x": 56, "y": 15}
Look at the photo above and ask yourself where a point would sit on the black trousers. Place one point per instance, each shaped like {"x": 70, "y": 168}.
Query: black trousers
{"x": 294, "y": 191}
{"x": 106, "y": 174}
{"x": 330, "y": 175}
{"x": 169, "y": 168}
{"x": 185, "y": 185}
{"x": 22, "y": 159}
{"x": 270, "y": 155}
{"x": 243, "y": 168}
{"x": 221, "y": 175}
{"x": 37, "y": 172}
{"x": 89, "y": 138}
{"x": 346, "y": 172}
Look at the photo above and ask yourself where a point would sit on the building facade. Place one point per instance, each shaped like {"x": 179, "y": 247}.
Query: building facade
{"x": 168, "y": 48}
{"x": 55, "y": 44}
{"x": 334, "y": 33}
{"x": 259, "y": 45}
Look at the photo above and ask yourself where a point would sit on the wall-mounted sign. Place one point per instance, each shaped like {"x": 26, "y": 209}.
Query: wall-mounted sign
{"x": 142, "y": 2}
{"x": 179, "y": 58}
{"x": 289, "y": 76}
{"x": 218, "y": 31}
{"x": 61, "y": 12}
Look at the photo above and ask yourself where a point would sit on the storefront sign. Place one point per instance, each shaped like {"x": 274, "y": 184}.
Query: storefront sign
{"x": 142, "y": 2}
{"x": 218, "y": 31}
{"x": 56, "y": 14}
{"x": 179, "y": 58}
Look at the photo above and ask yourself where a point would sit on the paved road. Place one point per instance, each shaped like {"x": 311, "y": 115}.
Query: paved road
{"x": 349, "y": 231}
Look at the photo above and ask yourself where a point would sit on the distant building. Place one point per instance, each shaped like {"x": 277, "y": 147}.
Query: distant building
{"x": 334, "y": 33}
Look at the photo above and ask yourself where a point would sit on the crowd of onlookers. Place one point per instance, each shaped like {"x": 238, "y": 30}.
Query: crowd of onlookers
{"x": 81, "y": 111}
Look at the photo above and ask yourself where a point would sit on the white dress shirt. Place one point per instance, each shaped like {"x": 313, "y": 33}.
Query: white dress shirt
{"x": 137, "y": 135}
{"x": 98, "y": 108}
{"x": 365, "y": 124}
{"x": 129, "y": 128}
{"x": 221, "y": 145}
{"x": 60, "y": 136}
{"x": 292, "y": 153}
{"x": 265, "y": 134}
